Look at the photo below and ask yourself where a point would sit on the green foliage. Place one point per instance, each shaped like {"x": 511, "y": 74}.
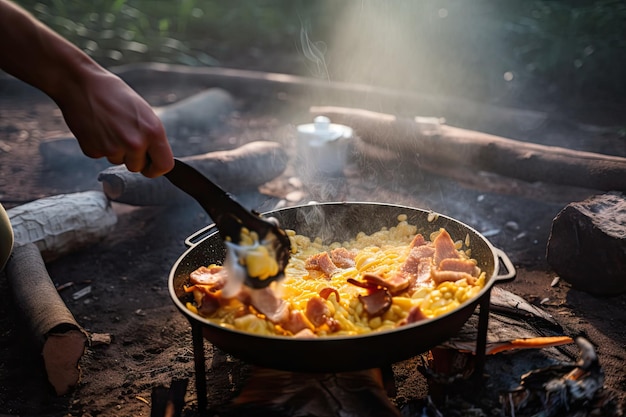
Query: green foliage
{"x": 563, "y": 44}
{"x": 580, "y": 45}
{"x": 192, "y": 32}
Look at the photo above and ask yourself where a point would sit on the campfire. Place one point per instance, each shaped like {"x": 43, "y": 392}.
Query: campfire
{"x": 509, "y": 353}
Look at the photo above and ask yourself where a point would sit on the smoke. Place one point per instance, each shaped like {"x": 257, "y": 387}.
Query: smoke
{"x": 314, "y": 54}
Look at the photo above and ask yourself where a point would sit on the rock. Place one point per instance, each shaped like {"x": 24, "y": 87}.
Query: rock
{"x": 587, "y": 244}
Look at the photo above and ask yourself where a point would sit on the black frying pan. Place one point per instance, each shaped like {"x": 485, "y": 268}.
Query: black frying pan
{"x": 339, "y": 222}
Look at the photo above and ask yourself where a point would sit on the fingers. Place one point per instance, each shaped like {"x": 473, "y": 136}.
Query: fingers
{"x": 159, "y": 160}
{"x": 116, "y": 159}
{"x": 135, "y": 162}
{"x": 154, "y": 162}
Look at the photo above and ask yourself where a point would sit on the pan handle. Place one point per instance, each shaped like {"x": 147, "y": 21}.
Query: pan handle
{"x": 504, "y": 259}
{"x": 195, "y": 238}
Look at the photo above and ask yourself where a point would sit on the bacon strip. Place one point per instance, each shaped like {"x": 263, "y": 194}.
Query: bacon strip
{"x": 210, "y": 304}
{"x": 295, "y": 322}
{"x": 326, "y": 292}
{"x": 342, "y": 257}
{"x": 467, "y": 266}
{"x": 213, "y": 277}
{"x": 440, "y": 276}
{"x": 415, "y": 268}
{"x": 444, "y": 247}
{"x": 317, "y": 311}
{"x": 377, "y": 302}
{"x": 415, "y": 315}
{"x": 321, "y": 262}
{"x": 267, "y": 303}
{"x": 417, "y": 241}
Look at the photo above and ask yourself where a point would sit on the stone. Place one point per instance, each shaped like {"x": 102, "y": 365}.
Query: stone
{"x": 587, "y": 244}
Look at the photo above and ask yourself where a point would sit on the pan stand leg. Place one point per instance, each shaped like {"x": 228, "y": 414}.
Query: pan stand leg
{"x": 199, "y": 366}
{"x": 481, "y": 337}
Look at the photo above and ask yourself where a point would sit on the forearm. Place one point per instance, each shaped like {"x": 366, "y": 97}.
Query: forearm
{"x": 37, "y": 55}
{"x": 107, "y": 117}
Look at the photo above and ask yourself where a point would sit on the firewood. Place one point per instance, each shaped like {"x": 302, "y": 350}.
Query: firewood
{"x": 259, "y": 86}
{"x": 199, "y": 112}
{"x": 439, "y": 144}
{"x": 239, "y": 169}
{"x": 61, "y": 340}
{"x": 63, "y": 223}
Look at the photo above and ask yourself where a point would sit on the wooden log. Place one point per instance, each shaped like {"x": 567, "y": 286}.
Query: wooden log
{"x": 63, "y": 223}
{"x": 199, "y": 112}
{"x": 235, "y": 170}
{"x": 438, "y": 144}
{"x": 259, "y": 86}
{"x": 483, "y": 181}
{"x": 61, "y": 340}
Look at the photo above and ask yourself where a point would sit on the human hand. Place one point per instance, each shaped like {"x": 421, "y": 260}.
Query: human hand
{"x": 109, "y": 119}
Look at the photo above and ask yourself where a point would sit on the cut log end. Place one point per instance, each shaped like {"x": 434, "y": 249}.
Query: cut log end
{"x": 51, "y": 325}
{"x": 62, "y": 353}
{"x": 113, "y": 187}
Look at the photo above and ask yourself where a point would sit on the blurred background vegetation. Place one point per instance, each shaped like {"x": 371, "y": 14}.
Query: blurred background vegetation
{"x": 496, "y": 51}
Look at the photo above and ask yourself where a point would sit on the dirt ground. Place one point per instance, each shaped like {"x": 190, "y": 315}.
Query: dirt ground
{"x": 128, "y": 270}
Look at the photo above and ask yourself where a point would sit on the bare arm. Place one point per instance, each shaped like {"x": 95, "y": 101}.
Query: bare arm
{"x": 107, "y": 117}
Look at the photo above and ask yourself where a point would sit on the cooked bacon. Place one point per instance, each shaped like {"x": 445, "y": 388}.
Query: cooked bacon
{"x": 296, "y": 322}
{"x": 401, "y": 281}
{"x": 214, "y": 277}
{"x": 396, "y": 284}
{"x": 412, "y": 261}
{"x": 326, "y": 292}
{"x": 321, "y": 262}
{"x": 415, "y": 315}
{"x": 342, "y": 257}
{"x": 440, "y": 276}
{"x": 417, "y": 241}
{"x": 317, "y": 311}
{"x": 423, "y": 251}
{"x": 410, "y": 270}
{"x": 423, "y": 275}
{"x": 376, "y": 303}
{"x": 444, "y": 247}
{"x": 267, "y": 303}
{"x": 460, "y": 265}
{"x": 209, "y": 304}
{"x": 415, "y": 268}
{"x": 372, "y": 282}
{"x": 423, "y": 271}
